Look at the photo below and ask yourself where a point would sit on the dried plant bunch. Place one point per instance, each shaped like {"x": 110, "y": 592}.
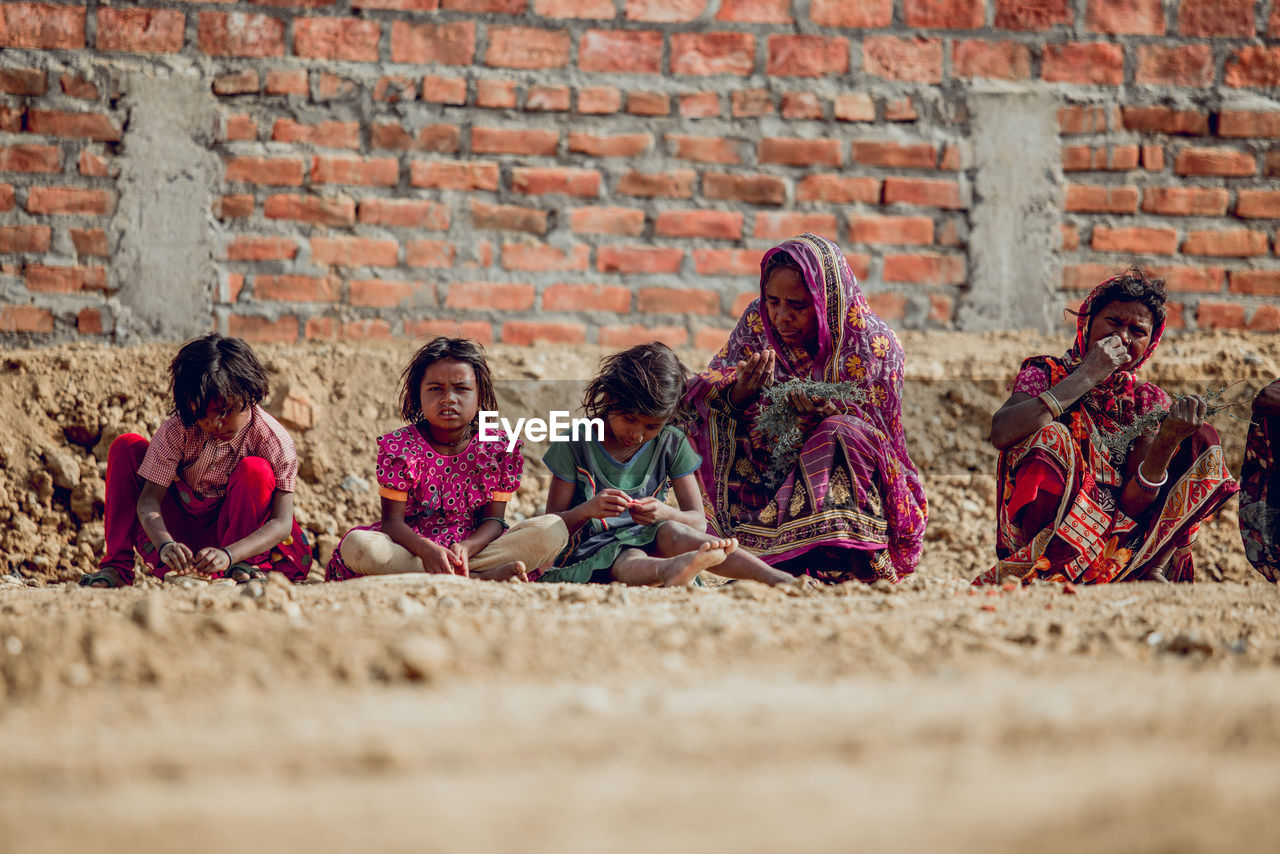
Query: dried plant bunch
{"x": 1119, "y": 442}
{"x": 784, "y": 425}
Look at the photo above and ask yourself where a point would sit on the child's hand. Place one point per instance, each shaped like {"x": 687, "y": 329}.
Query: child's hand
{"x": 439, "y": 560}
{"x": 176, "y": 556}
{"x": 460, "y": 551}
{"x": 649, "y": 511}
{"x": 210, "y": 560}
{"x": 607, "y": 504}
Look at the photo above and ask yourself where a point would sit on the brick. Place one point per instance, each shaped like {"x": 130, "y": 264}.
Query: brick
{"x": 800, "y": 152}
{"x": 606, "y": 220}
{"x": 1164, "y": 120}
{"x": 64, "y": 280}
{"x": 1088, "y": 198}
{"x": 271, "y": 171}
{"x": 674, "y": 184}
{"x": 541, "y": 258}
{"x": 1035, "y": 15}
{"x": 11, "y": 118}
{"x": 547, "y": 99}
{"x": 382, "y": 293}
{"x": 899, "y": 230}
{"x": 629, "y": 336}
{"x": 565, "y": 297}
{"x": 664, "y": 11}
{"x": 621, "y": 145}
{"x": 600, "y": 9}
{"x": 234, "y": 285}
{"x": 452, "y": 43}
{"x": 261, "y": 330}
{"x": 89, "y": 321}
{"x": 496, "y": 94}
{"x": 915, "y": 60}
{"x": 1255, "y": 282}
{"x": 248, "y": 247}
{"x": 502, "y": 141}
{"x": 394, "y": 90}
{"x": 314, "y": 209}
{"x": 637, "y": 259}
{"x": 1253, "y": 67}
{"x": 524, "y": 333}
{"x": 1185, "y": 201}
{"x": 806, "y": 56}
{"x": 476, "y": 330}
{"x": 860, "y": 264}
{"x": 728, "y": 262}
{"x": 677, "y": 301}
{"x": 429, "y": 253}
{"x": 1069, "y": 237}
{"x": 6, "y": 197}
{"x": 1084, "y": 158}
{"x": 782, "y": 226}
{"x": 1219, "y": 315}
{"x": 90, "y": 241}
{"x": 991, "y": 60}
{"x": 404, "y": 213}
{"x": 25, "y": 318}
{"x": 527, "y": 48}
{"x": 236, "y": 83}
{"x": 351, "y": 39}
{"x": 490, "y": 295}
{"x": 454, "y": 174}
{"x": 854, "y": 108}
{"x": 599, "y": 100}
{"x": 865, "y": 14}
{"x": 755, "y": 11}
{"x": 838, "y": 189}
{"x": 296, "y": 288}
{"x": 713, "y": 225}
{"x": 78, "y": 125}
{"x": 235, "y": 206}
{"x": 70, "y": 200}
{"x": 801, "y": 105}
{"x": 42, "y": 26}
{"x": 1152, "y": 158}
{"x": 752, "y": 189}
{"x": 627, "y": 52}
{"x": 354, "y": 252}
{"x": 900, "y": 110}
{"x": 505, "y": 7}
{"x": 700, "y": 105}
{"x": 706, "y": 149}
{"x": 446, "y": 139}
{"x": 1216, "y": 18}
{"x": 536, "y": 181}
{"x": 240, "y": 34}
{"x": 1230, "y": 243}
{"x": 713, "y": 53}
{"x": 366, "y": 172}
{"x": 324, "y": 327}
{"x": 743, "y": 301}
{"x": 923, "y": 192}
{"x": 324, "y": 134}
{"x": 1081, "y": 120}
{"x": 22, "y": 81}
{"x": 1272, "y": 166}
{"x": 1097, "y": 63}
{"x": 140, "y": 30}
{"x": 751, "y": 103}
{"x": 1125, "y": 17}
{"x": 1185, "y": 65}
{"x": 1215, "y": 161}
{"x": 1240, "y": 125}
{"x": 1141, "y": 241}
{"x": 925, "y": 269}
{"x": 29, "y": 158}
{"x": 25, "y": 238}
{"x": 896, "y": 155}
{"x": 1266, "y": 318}
{"x": 1257, "y": 204}
{"x": 508, "y": 218}
{"x": 240, "y": 128}
{"x": 286, "y": 82}
{"x": 648, "y": 104}
{"x": 1079, "y": 277}
{"x": 944, "y": 14}
{"x": 444, "y": 90}
{"x": 1190, "y": 279}
{"x": 888, "y": 306}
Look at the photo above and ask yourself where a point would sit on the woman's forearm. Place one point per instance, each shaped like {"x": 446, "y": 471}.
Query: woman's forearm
{"x": 1014, "y": 422}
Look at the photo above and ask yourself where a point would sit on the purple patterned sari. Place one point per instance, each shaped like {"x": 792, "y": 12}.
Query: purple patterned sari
{"x": 853, "y": 487}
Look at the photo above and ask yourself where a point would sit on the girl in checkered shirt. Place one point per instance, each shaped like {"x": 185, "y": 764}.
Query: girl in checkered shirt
{"x": 212, "y": 493}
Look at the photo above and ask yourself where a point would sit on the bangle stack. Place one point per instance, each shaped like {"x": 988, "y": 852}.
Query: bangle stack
{"x": 1051, "y": 401}
{"x": 1148, "y": 485}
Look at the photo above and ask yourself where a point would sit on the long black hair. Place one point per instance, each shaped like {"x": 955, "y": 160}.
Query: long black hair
{"x": 215, "y": 368}
{"x": 647, "y": 379}
{"x": 464, "y": 350}
{"x": 1133, "y": 285}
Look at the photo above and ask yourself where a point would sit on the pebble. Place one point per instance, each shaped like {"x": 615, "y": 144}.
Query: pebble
{"x": 64, "y": 468}
{"x": 354, "y": 483}
{"x": 151, "y": 613}
{"x": 423, "y": 658}
{"x": 13, "y": 645}
{"x": 409, "y": 607}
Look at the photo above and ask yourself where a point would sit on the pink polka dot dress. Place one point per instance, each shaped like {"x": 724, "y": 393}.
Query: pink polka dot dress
{"x": 444, "y": 495}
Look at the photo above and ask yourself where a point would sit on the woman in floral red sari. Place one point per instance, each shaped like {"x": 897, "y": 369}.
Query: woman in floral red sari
{"x": 852, "y": 505}
{"x": 1085, "y": 496}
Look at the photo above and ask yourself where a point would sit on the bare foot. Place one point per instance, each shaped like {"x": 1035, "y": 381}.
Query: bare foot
{"x": 513, "y": 571}
{"x": 728, "y": 546}
{"x": 680, "y": 570}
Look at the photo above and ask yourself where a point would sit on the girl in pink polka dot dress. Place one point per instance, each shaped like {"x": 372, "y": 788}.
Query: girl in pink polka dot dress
{"x": 444, "y": 491}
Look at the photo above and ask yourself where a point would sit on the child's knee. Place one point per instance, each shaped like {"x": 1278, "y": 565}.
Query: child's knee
{"x": 375, "y": 553}
{"x": 128, "y": 450}
{"x": 254, "y": 470}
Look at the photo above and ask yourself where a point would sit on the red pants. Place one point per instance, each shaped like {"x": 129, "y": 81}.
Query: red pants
{"x": 193, "y": 521}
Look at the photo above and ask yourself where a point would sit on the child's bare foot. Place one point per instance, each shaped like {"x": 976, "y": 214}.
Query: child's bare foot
{"x": 680, "y": 570}
{"x": 513, "y": 571}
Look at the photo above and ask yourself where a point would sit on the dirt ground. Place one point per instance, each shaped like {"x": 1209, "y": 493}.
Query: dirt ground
{"x": 445, "y": 715}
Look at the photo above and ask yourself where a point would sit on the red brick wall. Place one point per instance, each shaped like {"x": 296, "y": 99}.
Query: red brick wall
{"x": 610, "y": 170}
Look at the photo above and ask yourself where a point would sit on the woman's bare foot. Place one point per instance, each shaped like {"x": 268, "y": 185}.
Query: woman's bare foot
{"x": 513, "y": 571}
{"x": 680, "y": 570}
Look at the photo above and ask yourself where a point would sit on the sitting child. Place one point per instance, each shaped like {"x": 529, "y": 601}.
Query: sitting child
{"x": 610, "y": 493}
{"x": 444, "y": 491}
{"x": 212, "y": 493}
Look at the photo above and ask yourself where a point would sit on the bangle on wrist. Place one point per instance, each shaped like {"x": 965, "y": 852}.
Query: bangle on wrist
{"x": 1148, "y": 485}
{"x": 163, "y": 546}
{"x": 498, "y": 519}
{"x": 1050, "y": 400}
{"x": 227, "y": 553}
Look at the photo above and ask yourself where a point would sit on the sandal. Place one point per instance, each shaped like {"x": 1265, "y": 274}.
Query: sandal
{"x": 104, "y": 578}
{"x": 243, "y": 573}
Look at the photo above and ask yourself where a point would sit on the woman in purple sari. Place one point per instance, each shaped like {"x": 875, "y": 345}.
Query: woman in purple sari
{"x": 852, "y": 506}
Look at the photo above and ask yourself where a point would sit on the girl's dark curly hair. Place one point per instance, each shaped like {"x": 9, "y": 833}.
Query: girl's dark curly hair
{"x": 211, "y": 369}
{"x": 1133, "y": 285}
{"x": 464, "y": 350}
{"x": 647, "y": 379}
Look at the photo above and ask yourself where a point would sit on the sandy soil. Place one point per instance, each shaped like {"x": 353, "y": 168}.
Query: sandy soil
{"x": 411, "y": 713}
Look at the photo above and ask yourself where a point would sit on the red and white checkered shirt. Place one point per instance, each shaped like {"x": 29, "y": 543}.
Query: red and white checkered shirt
{"x": 205, "y": 463}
